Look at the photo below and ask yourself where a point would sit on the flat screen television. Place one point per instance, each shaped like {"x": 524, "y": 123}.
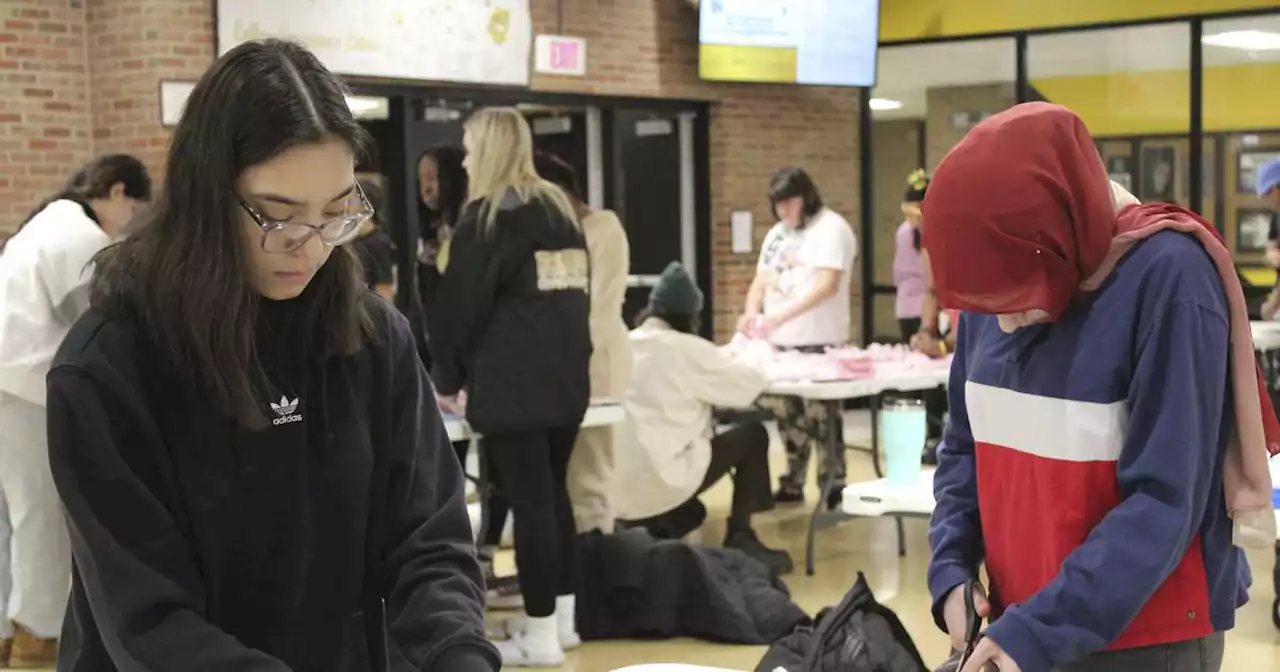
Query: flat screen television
{"x": 819, "y": 42}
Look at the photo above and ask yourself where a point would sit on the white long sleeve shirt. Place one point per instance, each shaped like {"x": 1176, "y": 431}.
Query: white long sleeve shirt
{"x": 663, "y": 449}
{"x": 44, "y": 289}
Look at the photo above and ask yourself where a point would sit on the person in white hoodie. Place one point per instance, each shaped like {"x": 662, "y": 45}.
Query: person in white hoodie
{"x": 665, "y": 447}
{"x": 44, "y": 280}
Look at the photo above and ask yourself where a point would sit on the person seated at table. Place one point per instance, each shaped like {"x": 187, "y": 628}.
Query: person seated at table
{"x": 666, "y": 447}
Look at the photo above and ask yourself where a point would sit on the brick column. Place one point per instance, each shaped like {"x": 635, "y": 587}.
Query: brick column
{"x": 133, "y": 45}
{"x": 44, "y": 112}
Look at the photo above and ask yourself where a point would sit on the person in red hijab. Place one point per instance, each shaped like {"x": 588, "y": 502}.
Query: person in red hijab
{"x": 1108, "y": 443}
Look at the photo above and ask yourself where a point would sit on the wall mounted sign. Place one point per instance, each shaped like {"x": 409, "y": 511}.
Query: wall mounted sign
{"x": 481, "y": 42}
{"x": 560, "y": 55}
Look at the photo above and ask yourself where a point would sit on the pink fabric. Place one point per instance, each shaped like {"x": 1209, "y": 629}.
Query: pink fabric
{"x": 849, "y": 363}
{"x": 1256, "y": 435}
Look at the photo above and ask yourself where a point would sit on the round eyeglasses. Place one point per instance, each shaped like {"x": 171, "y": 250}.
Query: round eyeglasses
{"x": 284, "y": 237}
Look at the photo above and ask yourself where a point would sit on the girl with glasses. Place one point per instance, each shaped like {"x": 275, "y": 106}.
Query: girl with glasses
{"x": 253, "y": 466}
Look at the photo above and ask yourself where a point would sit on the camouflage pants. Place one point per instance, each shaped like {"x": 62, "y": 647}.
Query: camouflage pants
{"x": 803, "y": 424}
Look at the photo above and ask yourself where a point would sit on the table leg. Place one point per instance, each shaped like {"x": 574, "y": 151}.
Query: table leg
{"x": 482, "y": 490}
{"x": 902, "y": 539}
{"x": 832, "y": 454}
{"x": 875, "y": 435}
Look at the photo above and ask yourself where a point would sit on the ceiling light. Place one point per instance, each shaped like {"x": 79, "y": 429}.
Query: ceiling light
{"x": 358, "y": 104}
{"x": 1249, "y": 40}
{"x": 885, "y": 104}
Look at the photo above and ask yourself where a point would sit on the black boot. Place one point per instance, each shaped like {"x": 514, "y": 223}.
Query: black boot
{"x": 835, "y": 498}
{"x": 788, "y": 496}
{"x": 745, "y": 540}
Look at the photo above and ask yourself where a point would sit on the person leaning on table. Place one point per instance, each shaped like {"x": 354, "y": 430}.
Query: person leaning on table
{"x": 1107, "y": 439}
{"x": 591, "y": 471}
{"x": 799, "y": 300}
{"x": 251, "y": 461}
{"x": 512, "y": 325}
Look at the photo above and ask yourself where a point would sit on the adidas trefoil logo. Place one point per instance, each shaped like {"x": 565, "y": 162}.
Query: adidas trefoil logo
{"x": 286, "y": 412}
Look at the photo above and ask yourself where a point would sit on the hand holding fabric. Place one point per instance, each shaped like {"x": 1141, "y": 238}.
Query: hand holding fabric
{"x": 988, "y": 656}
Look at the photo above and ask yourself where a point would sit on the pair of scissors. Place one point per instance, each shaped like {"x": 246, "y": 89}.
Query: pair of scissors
{"x": 973, "y": 623}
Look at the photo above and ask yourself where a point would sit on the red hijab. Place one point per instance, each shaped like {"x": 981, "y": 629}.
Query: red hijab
{"x": 1020, "y": 216}
{"x": 1025, "y": 191}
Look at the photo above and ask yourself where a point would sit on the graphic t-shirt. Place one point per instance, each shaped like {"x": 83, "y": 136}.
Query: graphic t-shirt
{"x": 789, "y": 262}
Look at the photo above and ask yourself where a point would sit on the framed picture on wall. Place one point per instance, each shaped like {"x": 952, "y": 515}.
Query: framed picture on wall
{"x": 173, "y": 98}
{"x": 1253, "y": 228}
{"x": 1159, "y": 174}
{"x": 1249, "y": 160}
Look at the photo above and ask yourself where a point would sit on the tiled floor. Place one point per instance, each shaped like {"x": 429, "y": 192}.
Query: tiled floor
{"x": 1253, "y": 646}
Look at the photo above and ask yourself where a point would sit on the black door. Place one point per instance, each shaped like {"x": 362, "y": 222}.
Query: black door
{"x": 563, "y": 134}
{"x": 646, "y": 195}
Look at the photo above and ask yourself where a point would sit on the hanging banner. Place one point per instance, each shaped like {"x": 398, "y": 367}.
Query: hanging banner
{"x": 471, "y": 41}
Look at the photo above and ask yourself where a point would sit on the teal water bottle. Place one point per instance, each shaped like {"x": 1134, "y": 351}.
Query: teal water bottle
{"x": 904, "y": 425}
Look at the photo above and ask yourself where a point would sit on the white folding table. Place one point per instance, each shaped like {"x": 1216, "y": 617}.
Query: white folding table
{"x": 832, "y": 394}
{"x": 600, "y": 413}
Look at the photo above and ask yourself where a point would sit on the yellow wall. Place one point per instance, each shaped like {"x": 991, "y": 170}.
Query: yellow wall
{"x": 1238, "y": 97}
{"x": 915, "y": 19}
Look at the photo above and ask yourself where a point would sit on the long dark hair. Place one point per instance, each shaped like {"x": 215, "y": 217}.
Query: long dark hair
{"x": 557, "y": 171}
{"x": 791, "y": 182}
{"x": 96, "y": 178}
{"x": 184, "y": 273}
{"x": 452, "y": 192}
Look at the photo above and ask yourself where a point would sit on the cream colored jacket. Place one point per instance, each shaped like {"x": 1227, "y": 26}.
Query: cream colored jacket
{"x": 664, "y": 446}
{"x": 610, "y": 265}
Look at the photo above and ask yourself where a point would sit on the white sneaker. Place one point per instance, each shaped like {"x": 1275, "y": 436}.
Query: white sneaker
{"x": 569, "y": 639}
{"x": 524, "y": 651}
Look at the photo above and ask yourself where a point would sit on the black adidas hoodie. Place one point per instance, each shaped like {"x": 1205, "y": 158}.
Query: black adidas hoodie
{"x": 335, "y": 539}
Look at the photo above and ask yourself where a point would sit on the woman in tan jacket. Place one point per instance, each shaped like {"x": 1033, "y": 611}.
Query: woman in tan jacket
{"x": 591, "y": 465}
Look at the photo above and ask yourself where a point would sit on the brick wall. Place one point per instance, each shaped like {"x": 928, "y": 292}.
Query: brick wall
{"x": 117, "y": 51}
{"x": 133, "y": 46}
{"x": 44, "y": 107}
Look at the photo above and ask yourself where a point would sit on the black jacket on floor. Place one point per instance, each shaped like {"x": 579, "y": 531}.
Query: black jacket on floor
{"x": 634, "y": 586}
{"x": 202, "y": 545}
{"x": 510, "y": 320}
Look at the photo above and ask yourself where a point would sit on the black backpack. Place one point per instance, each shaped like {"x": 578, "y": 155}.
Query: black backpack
{"x": 859, "y": 635}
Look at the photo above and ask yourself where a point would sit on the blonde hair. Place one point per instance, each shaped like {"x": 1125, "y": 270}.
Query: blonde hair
{"x": 501, "y": 159}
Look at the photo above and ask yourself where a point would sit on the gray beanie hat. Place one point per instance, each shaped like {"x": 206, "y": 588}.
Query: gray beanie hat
{"x": 676, "y": 292}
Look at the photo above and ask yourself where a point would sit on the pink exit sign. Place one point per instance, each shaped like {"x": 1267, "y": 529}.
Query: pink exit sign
{"x": 560, "y": 55}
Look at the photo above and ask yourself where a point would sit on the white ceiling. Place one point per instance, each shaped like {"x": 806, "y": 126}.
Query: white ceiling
{"x": 906, "y": 73}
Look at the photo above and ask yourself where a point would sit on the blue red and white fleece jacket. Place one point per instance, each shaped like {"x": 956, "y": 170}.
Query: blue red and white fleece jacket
{"x": 1083, "y": 465}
